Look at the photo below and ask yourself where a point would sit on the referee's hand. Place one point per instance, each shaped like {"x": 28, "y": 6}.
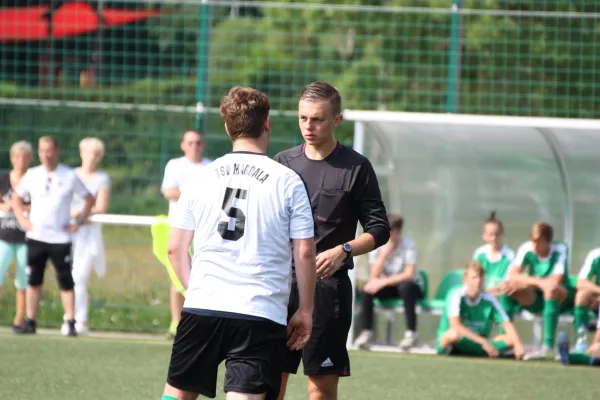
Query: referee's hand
{"x": 298, "y": 330}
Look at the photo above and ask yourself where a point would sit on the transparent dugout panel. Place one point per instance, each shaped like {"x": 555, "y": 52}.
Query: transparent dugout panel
{"x": 445, "y": 179}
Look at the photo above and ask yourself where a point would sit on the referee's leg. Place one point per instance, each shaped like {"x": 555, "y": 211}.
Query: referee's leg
{"x": 326, "y": 358}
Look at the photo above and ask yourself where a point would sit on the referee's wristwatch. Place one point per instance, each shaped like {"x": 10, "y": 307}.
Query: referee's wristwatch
{"x": 347, "y": 249}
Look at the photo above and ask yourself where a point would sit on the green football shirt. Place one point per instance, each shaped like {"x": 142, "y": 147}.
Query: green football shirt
{"x": 478, "y": 315}
{"x": 554, "y": 263}
{"x": 494, "y": 265}
{"x": 591, "y": 267}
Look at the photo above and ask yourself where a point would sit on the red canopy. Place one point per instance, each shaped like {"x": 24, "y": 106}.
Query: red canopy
{"x": 71, "y": 19}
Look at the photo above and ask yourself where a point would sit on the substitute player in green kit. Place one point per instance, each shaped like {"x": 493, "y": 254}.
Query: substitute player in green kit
{"x": 495, "y": 257}
{"x": 542, "y": 288}
{"x": 469, "y": 316}
{"x": 588, "y": 289}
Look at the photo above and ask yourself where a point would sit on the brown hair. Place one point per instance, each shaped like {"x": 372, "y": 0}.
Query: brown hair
{"x": 245, "y": 111}
{"x": 542, "y": 230}
{"x": 474, "y": 266}
{"x": 323, "y": 91}
{"x": 493, "y": 220}
{"x": 48, "y": 139}
{"x": 396, "y": 221}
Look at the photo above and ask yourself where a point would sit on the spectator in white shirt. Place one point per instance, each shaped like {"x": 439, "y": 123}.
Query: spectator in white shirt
{"x": 393, "y": 275}
{"x": 178, "y": 173}
{"x": 88, "y": 246}
{"x": 48, "y": 228}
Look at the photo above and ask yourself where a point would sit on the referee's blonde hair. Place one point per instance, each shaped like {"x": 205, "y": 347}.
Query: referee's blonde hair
{"x": 92, "y": 143}
{"x": 21, "y": 145}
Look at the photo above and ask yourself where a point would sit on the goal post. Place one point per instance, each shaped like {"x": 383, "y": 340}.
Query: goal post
{"x": 445, "y": 173}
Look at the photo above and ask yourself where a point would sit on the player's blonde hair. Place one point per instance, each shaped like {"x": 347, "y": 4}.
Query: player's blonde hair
{"x": 474, "y": 266}
{"x": 542, "y": 230}
{"x": 21, "y": 145}
{"x": 92, "y": 143}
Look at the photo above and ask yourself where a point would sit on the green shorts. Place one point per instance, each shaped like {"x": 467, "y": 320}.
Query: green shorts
{"x": 537, "y": 307}
{"x": 467, "y": 347}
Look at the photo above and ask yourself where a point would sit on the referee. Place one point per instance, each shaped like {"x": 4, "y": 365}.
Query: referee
{"x": 51, "y": 187}
{"x": 343, "y": 190}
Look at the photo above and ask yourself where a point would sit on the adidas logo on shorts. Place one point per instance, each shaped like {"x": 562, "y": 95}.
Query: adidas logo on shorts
{"x": 327, "y": 363}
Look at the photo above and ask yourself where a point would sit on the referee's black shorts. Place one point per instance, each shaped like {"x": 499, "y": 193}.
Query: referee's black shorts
{"x": 325, "y": 353}
{"x": 253, "y": 351}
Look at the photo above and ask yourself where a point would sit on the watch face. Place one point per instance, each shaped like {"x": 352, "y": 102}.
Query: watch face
{"x": 347, "y": 247}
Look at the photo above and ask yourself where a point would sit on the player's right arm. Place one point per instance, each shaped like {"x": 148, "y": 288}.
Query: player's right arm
{"x": 501, "y": 318}
{"x": 301, "y": 231}
{"x": 169, "y": 187}
{"x": 588, "y": 270}
{"x": 517, "y": 266}
{"x": 183, "y": 226}
{"x": 23, "y": 189}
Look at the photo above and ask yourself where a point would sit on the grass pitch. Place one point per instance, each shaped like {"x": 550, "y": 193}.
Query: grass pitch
{"x": 51, "y": 367}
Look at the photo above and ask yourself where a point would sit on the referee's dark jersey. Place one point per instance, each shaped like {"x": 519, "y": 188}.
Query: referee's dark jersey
{"x": 343, "y": 191}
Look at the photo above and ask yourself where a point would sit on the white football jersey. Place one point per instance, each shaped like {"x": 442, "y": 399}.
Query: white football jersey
{"x": 244, "y": 209}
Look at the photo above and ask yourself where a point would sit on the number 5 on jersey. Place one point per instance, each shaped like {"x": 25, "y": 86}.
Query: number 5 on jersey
{"x": 239, "y": 219}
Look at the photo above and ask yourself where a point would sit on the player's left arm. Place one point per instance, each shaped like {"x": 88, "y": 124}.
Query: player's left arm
{"x": 179, "y": 255}
{"x": 183, "y": 226}
{"x": 372, "y": 214}
{"x": 501, "y": 318}
{"x": 587, "y": 272}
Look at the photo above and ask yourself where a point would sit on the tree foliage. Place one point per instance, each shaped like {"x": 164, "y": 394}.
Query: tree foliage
{"x": 516, "y": 61}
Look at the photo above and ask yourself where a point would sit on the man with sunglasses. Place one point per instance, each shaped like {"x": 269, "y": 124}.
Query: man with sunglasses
{"x": 48, "y": 226}
{"x": 178, "y": 172}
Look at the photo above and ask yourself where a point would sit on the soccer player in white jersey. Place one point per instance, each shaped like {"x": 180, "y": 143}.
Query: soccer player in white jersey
{"x": 238, "y": 283}
{"x": 178, "y": 172}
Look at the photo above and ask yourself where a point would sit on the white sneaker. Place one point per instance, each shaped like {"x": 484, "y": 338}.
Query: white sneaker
{"x": 410, "y": 340}
{"x": 81, "y": 329}
{"x": 64, "y": 329}
{"x": 364, "y": 339}
{"x": 544, "y": 353}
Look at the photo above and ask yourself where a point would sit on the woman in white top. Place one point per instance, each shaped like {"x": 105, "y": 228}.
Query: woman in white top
{"x": 88, "y": 246}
